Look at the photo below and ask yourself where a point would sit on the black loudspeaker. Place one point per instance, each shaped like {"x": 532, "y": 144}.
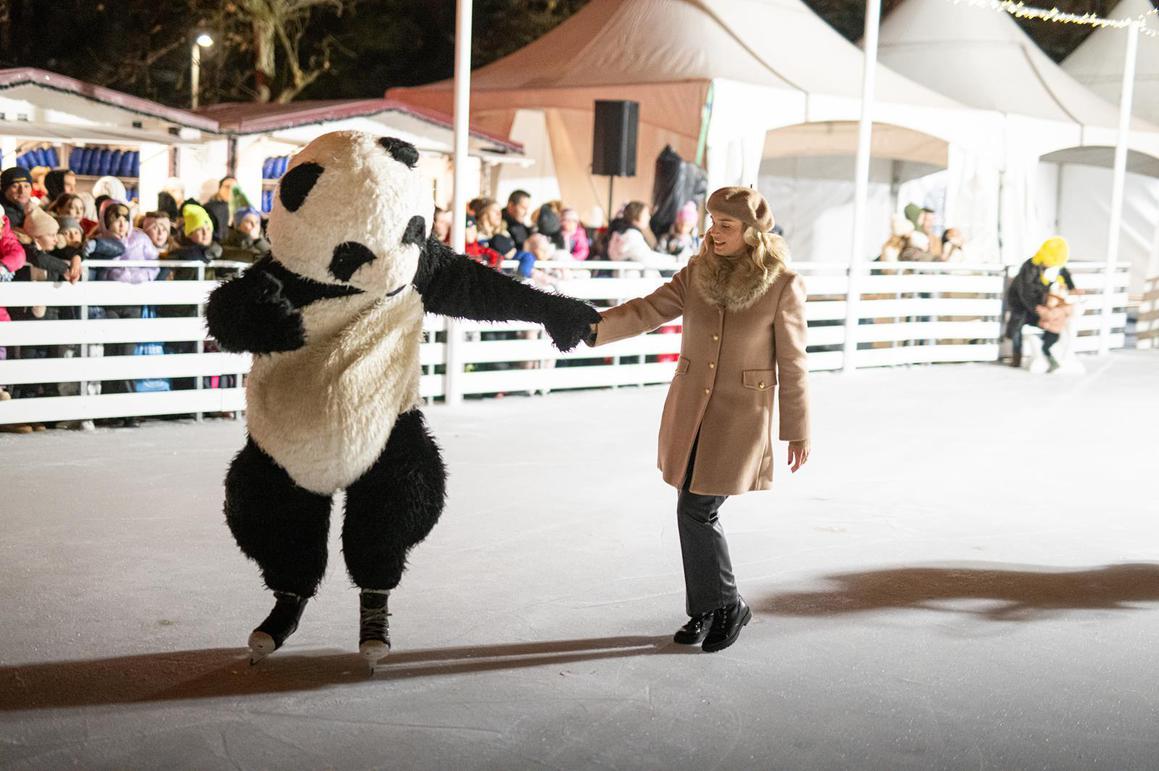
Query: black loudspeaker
{"x": 614, "y": 140}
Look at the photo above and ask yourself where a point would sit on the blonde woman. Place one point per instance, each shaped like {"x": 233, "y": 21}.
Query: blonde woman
{"x": 490, "y": 219}
{"x": 744, "y": 336}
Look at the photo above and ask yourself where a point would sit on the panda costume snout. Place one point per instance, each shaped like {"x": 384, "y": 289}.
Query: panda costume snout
{"x": 333, "y": 394}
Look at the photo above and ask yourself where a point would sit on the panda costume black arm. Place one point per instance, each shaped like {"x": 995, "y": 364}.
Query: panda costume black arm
{"x": 454, "y": 285}
{"x": 259, "y": 311}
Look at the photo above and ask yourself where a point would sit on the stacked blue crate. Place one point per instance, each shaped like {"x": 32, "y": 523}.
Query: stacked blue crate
{"x": 272, "y": 170}
{"x": 103, "y": 162}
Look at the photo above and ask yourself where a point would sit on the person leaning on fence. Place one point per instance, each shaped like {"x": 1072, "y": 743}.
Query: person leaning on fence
{"x": 1038, "y": 296}
{"x": 12, "y": 259}
{"x": 47, "y": 260}
{"x": 548, "y": 224}
{"x": 219, "y": 207}
{"x": 245, "y": 242}
{"x": 575, "y": 237}
{"x": 681, "y": 240}
{"x": 116, "y": 225}
{"x": 515, "y": 217}
{"x": 628, "y": 244}
{"x": 744, "y": 334}
{"x": 196, "y": 237}
{"x": 477, "y": 251}
{"x": 16, "y": 195}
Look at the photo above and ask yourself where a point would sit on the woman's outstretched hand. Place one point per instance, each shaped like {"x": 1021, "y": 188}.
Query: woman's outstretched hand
{"x": 798, "y": 454}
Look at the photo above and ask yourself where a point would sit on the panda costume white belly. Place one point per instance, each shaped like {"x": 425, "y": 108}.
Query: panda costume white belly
{"x": 324, "y": 411}
{"x": 334, "y": 319}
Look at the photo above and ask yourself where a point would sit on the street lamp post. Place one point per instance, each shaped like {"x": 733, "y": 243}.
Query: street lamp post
{"x": 203, "y": 40}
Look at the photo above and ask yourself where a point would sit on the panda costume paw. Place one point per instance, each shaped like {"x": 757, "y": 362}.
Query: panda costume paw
{"x": 334, "y": 317}
{"x": 250, "y": 313}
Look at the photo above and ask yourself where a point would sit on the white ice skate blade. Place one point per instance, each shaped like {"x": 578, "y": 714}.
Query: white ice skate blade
{"x": 261, "y": 645}
{"x": 373, "y": 651}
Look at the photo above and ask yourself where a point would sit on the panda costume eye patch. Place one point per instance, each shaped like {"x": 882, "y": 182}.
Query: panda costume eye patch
{"x": 348, "y": 257}
{"x": 297, "y": 184}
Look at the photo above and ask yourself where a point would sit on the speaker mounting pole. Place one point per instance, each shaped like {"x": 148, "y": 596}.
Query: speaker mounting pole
{"x": 611, "y": 183}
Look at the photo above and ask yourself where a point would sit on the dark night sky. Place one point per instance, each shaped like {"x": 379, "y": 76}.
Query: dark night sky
{"x": 371, "y": 45}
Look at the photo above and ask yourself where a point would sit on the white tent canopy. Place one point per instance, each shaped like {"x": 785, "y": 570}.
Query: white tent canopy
{"x": 719, "y": 74}
{"x": 1098, "y": 62}
{"x": 984, "y": 59}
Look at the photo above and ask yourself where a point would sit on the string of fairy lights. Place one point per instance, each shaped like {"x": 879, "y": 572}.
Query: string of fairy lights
{"x": 1021, "y": 10}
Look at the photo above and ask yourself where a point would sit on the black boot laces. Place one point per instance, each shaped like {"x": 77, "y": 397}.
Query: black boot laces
{"x": 374, "y": 621}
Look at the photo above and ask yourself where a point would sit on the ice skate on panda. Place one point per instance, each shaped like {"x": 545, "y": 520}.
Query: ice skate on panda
{"x": 280, "y": 624}
{"x": 333, "y": 318}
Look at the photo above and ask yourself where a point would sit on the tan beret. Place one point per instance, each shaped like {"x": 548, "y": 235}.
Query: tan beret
{"x": 744, "y": 204}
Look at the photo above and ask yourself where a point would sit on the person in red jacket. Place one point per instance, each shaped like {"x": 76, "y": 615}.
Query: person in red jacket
{"x": 476, "y": 250}
{"x": 12, "y": 259}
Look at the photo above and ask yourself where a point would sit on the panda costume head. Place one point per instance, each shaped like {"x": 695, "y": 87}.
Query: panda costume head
{"x": 350, "y": 212}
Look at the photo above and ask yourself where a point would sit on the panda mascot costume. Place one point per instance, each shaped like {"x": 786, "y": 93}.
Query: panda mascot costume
{"x": 334, "y": 319}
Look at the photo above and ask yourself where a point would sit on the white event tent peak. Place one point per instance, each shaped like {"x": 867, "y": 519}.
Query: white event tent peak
{"x": 1054, "y": 127}
{"x": 984, "y": 59}
{"x": 717, "y": 75}
{"x": 1098, "y": 62}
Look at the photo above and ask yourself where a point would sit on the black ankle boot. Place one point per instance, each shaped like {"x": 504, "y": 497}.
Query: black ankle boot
{"x": 694, "y": 632}
{"x": 726, "y": 625}
{"x": 373, "y": 625}
{"x": 280, "y": 624}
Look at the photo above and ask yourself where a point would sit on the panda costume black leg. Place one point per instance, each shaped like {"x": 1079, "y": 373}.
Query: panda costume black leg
{"x": 389, "y": 510}
{"x": 334, "y": 320}
{"x": 292, "y": 567}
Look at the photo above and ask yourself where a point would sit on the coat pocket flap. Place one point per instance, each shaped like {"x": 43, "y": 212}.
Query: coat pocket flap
{"x": 682, "y": 366}
{"x": 759, "y": 379}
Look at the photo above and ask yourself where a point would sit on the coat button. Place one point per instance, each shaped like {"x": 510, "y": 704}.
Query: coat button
{"x": 712, "y": 365}
{"x": 761, "y": 384}
{"x": 715, "y": 338}
{"x": 707, "y": 390}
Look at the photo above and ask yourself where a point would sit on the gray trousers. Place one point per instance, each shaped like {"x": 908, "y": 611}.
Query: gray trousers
{"x": 708, "y": 580}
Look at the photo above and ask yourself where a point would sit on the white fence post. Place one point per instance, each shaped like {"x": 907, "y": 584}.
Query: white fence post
{"x": 1119, "y": 180}
{"x": 861, "y": 180}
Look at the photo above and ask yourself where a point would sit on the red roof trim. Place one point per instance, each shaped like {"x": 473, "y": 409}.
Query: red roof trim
{"x": 10, "y": 78}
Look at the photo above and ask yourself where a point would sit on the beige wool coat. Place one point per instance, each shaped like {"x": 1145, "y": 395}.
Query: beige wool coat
{"x": 731, "y": 363}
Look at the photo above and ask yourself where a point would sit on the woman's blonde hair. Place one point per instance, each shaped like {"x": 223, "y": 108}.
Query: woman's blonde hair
{"x": 485, "y": 230}
{"x": 767, "y": 253}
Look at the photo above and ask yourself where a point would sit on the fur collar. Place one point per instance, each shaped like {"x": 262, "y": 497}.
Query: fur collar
{"x": 732, "y": 283}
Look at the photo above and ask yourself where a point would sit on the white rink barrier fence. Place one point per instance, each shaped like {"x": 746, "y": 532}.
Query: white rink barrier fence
{"x": 910, "y": 313}
{"x": 1147, "y": 331}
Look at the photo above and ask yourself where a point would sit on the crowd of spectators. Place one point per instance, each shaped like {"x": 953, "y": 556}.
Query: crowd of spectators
{"x": 51, "y": 231}
{"x": 516, "y": 237}
{"x": 913, "y": 237}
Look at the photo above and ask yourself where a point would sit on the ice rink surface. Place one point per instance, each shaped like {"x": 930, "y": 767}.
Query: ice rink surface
{"x": 965, "y": 576}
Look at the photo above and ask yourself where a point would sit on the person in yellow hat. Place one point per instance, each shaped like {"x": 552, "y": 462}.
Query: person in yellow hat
{"x": 1036, "y": 297}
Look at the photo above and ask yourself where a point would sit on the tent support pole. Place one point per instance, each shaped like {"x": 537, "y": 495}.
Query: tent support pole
{"x": 1120, "y": 179}
{"x": 453, "y": 385}
{"x": 861, "y": 194}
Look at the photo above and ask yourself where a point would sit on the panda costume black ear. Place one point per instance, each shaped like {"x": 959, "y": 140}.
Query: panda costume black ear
{"x": 403, "y": 152}
{"x": 297, "y": 184}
